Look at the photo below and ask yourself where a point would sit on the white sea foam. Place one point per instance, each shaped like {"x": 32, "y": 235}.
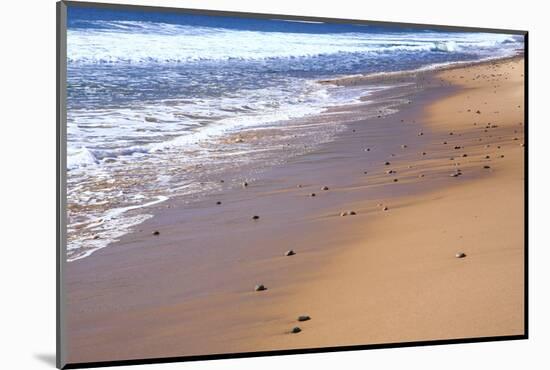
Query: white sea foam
{"x": 123, "y": 42}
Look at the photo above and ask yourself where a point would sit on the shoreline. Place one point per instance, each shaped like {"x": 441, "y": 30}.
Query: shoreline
{"x": 393, "y": 81}
{"x": 359, "y": 79}
{"x": 174, "y": 284}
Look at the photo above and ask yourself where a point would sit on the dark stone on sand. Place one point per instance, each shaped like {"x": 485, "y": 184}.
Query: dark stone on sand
{"x": 312, "y": 194}
{"x": 218, "y": 202}
{"x": 450, "y": 133}
{"x": 245, "y": 184}
{"x": 460, "y": 255}
{"x": 420, "y": 133}
{"x": 395, "y": 180}
{"x": 290, "y": 253}
{"x": 156, "y": 232}
{"x": 421, "y": 175}
{"x": 347, "y": 213}
{"x": 255, "y": 217}
{"x": 295, "y": 330}
{"x": 403, "y": 146}
{"x": 502, "y": 156}
{"x": 423, "y": 153}
{"x": 324, "y": 188}
{"x": 299, "y": 185}
{"x": 390, "y": 172}
{"x": 486, "y": 167}
{"x": 487, "y": 156}
{"x": 515, "y": 138}
{"x": 385, "y": 209}
{"x": 222, "y": 181}
{"x": 456, "y": 174}
{"x": 96, "y": 237}
{"x": 458, "y": 147}
{"x": 478, "y": 111}
{"x": 445, "y": 143}
{"x": 387, "y": 163}
{"x": 304, "y": 318}
{"x": 259, "y": 288}
{"x": 464, "y": 155}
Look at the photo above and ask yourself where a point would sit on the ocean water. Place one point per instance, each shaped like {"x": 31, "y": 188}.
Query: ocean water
{"x": 156, "y": 101}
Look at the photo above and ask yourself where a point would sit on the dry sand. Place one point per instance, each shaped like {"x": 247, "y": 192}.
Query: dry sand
{"x": 373, "y": 277}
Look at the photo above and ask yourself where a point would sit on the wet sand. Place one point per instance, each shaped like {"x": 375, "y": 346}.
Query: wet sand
{"x": 378, "y": 276}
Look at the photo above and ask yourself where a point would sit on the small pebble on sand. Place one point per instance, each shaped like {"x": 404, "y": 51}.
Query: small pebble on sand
{"x": 290, "y": 253}
{"x": 156, "y": 232}
{"x": 218, "y": 202}
{"x": 324, "y": 188}
{"x": 255, "y": 217}
{"x": 304, "y": 318}
{"x": 312, "y": 194}
{"x": 460, "y": 255}
{"x": 347, "y": 213}
{"x": 295, "y": 330}
{"x": 259, "y": 288}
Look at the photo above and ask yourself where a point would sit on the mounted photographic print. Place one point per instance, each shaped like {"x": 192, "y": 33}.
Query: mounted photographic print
{"x": 234, "y": 184}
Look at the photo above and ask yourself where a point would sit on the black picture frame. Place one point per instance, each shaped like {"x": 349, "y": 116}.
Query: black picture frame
{"x": 61, "y": 110}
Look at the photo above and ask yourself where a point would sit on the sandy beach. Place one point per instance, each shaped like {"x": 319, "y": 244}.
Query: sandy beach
{"x": 375, "y": 217}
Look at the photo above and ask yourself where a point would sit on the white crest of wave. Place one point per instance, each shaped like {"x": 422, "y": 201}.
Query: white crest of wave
{"x": 143, "y": 42}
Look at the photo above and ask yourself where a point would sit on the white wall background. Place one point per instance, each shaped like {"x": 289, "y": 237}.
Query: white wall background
{"x": 27, "y": 185}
